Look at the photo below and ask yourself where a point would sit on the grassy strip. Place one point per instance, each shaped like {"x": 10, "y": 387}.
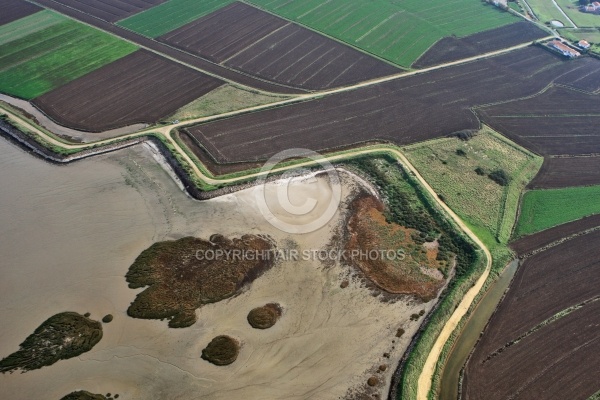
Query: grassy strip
{"x": 459, "y": 170}
{"x": 224, "y": 99}
{"x": 158, "y": 20}
{"x": 595, "y": 396}
{"x": 28, "y": 25}
{"x": 543, "y": 209}
{"x": 45, "y": 59}
{"x": 501, "y": 256}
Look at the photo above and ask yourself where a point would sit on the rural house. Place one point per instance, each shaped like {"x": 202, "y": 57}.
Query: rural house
{"x": 564, "y": 49}
{"x": 593, "y": 8}
{"x": 583, "y": 44}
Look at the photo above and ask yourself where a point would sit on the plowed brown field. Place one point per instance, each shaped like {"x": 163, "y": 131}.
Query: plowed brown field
{"x": 139, "y": 88}
{"x": 543, "y": 342}
{"x": 261, "y": 44}
{"x": 402, "y": 111}
{"x": 111, "y": 10}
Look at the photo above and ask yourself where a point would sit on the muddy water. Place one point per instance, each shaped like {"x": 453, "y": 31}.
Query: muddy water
{"x": 471, "y": 332}
{"x": 68, "y": 235}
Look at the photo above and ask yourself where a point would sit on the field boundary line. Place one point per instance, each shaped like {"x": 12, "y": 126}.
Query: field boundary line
{"x": 402, "y": 68}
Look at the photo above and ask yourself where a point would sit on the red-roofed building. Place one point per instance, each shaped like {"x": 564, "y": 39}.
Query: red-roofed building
{"x": 583, "y": 44}
{"x": 564, "y": 49}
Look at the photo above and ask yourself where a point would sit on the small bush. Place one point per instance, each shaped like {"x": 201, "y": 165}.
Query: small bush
{"x": 479, "y": 171}
{"x": 500, "y": 177}
{"x": 461, "y": 152}
{"x": 222, "y": 350}
{"x": 107, "y": 318}
{"x": 372, "y": 381}
{"x": 266, "y": 316}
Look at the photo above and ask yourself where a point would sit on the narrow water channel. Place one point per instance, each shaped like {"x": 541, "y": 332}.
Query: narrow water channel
{"x": 471, "y": 332}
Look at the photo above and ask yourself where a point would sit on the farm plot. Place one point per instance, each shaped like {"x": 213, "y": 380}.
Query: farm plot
{"x": 396, "y": 31}
{"x": 544, "y": 238}
{"x": 111, "y": 10}
{"x": 170, "y": 51}
{"x": 543, "y": 340}
{"x": 261, "y": 44}
{"x": 581, "y": 19}
{"x": 586, "y": 78}
{"x": 546, "y": 11}
{"x": 34, "y": 61}
{"x": 402, "y": 111}
{"x": 139, "y": 88}
{"x": 558, "y": 121}
{"x": 543, "y": 209}
{"x": 453, "y": 48}
{"x": 13, "y": 10}
{"x": 171, "y": 15}
{"x": 560, "y": 172}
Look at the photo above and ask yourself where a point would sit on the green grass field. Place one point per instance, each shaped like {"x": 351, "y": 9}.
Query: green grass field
{"x": 488, "y": 208}
{"x": 546, "y": 11}
{"x": 28, "y": 25}
{"x": 581, "y": 19}
{"x": 543, "y": 209}
{"x": 46, "y": 50}
{"x": 171, "y": 15}
{"x": 592, "y": 35}
{"x": 398, "y": 31}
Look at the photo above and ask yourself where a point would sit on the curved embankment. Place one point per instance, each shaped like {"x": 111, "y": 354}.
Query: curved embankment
{"x": 425, "y": 379}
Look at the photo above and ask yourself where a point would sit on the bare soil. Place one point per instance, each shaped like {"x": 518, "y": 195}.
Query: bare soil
{"x": 543, "y": 340}
{"x": 453, "y": 48}
{"x": 139, "y": 88}
{"x": 13, "y": 10}
{"x": 411, "y": 109}
{"x": 111, "y": 10}
{"x": 261, "y": 44}
{"x": 560, "y": 172}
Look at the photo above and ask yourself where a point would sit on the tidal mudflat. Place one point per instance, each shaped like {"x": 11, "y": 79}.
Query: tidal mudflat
{"x": 69, "y": 235}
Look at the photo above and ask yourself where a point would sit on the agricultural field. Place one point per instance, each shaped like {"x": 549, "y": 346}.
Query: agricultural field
{"x": 558, "y": 121}
{"x": 585, "y": 78}
{"x": 396, "y": 31}
{"x": 560, "y": 172}
{"x": 581, "y": 19}
{"x": 111, "y": 10}
{"x": 542, "y": 341}
{"x": 449, "y": 165}
{"x": 542, "y": 239}
{"x": 546, "y": 11}
{"x": 403, "y": 111}
{"x": 453, "y": 48}
{"x": 140, "y": 88}
{"x": 261, "y": 44}
{"x": 171, "y": 15}
{"x": 222, "y": 100}
{"x": 13, "y": 10}
{"x": 592, "y": 35}
{"x": 34, "y": 61}
{"x": 543, "y": 209}
{"x": 169, "y": 51}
